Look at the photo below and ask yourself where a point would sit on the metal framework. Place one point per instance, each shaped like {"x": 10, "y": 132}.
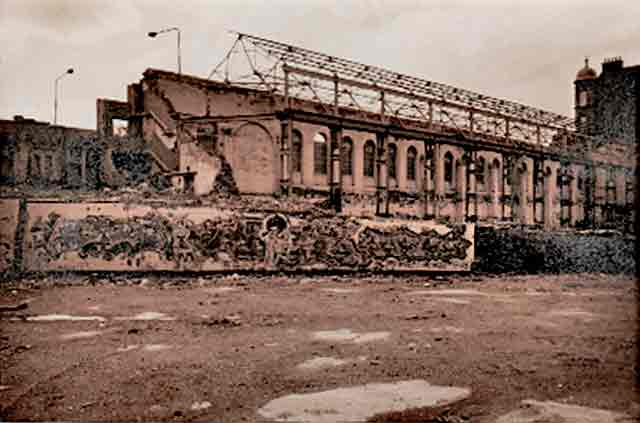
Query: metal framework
{"x": 341, "y": 84}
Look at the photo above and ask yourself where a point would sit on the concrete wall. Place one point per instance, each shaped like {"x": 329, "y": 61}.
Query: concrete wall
{"x": 9, "y": 213}
{"x": 113, "y": 236}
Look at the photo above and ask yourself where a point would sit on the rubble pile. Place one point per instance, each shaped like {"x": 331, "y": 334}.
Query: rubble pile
{"x": 523, "y": 250}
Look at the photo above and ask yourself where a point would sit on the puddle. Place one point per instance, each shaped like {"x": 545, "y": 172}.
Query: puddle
{"x": 127, "y": 348}
{"x": 156, "y": 347}
{"x": 340, "y": 290}
{"x": 94, "y": 308}
{"x": 80, "y": 335}
{"x": 451, "y": 329}
{"x": 454, "y": 300}
{"x": 63, "y": 317}
{"x": 360, "y": 402}
{"x": 221, "y": 289}
{"x": 147, "y": 315}
{"x": 271, "y": 344}
{"x": 573, "y": 313}
{"x": 321, "y": 363}
{"x": 446, "y": 292}
{"x": 548, "y": 411}
{"x": 346, "y": 335}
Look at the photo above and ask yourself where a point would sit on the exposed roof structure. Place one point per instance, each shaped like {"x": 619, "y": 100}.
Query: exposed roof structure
{"x": 298, "y": 72}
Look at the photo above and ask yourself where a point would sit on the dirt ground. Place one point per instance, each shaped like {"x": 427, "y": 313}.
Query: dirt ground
{"x": 220, "y": 348}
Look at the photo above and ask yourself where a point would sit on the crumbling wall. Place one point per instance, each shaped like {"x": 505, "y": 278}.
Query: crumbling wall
{"x": 99, "y": 236}
{"x": 9, "y": 219}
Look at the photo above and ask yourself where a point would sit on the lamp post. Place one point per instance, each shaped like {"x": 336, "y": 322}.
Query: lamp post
{"x": 153, "y": 34}
{"x": 55, "y": 95}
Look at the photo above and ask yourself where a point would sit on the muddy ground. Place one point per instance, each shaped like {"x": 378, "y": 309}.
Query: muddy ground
{"x": 220, "y": 348}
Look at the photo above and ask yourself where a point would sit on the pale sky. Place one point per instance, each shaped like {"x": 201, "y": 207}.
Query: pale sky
{"x": 523, "y": 50}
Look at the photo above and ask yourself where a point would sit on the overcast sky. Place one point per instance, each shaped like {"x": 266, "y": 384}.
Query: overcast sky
{"x": 523, "y": 50}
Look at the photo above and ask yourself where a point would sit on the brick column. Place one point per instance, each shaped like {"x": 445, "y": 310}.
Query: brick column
{"x": 472, "y": 188}
{"x": 548, "y": 196}
{"x": 438, "y": 177}
{"x": 525, "y": 171}
{"x": 461, "y": 190}
{"x": 382, "y": 195}
{"x": 427, "y": 184}
{"x": 335, "y": 171}
{"x": 285, "y": 141}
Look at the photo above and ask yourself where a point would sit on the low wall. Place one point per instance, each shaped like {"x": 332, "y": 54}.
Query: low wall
{"x": 118, "y": 237}
{"x": 9, "y": 215}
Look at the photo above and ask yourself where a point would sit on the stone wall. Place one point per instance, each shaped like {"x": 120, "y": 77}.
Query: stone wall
{"x": 115, "y": 237}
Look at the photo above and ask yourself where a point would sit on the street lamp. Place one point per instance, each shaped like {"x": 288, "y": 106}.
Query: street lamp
{"x": 153, "y": 34}
{"x": 55, "y": 95}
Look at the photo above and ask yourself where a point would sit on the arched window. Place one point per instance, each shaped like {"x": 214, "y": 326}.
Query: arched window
{"x": 449, "y": 167}
{"x": 320, "y": 154}
{"x": 296, "y": 151}
{"x": 508, "y": 170}
{"x": 580, "y": 182}
{"x": 37, "y": 167}
{"x": 584, "y": 99}
{"x": 496, "y": 170}
{"x": 412, "y": 154}
{"x": 392, "y": 157}
{"x": 369, "y": 158}
{"x": 347, "y": 154}
{"x": 611, "y": 177}
{"x": 481, "y": 167}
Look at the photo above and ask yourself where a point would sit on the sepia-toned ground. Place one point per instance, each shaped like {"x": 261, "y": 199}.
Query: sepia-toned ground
{"x": 221, "y": 348}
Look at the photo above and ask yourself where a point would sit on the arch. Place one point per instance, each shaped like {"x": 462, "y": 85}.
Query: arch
{"x": 36, "y": 166}
{"x": 296, "y": 151}
{"x": 252, "y": 157}
{"x": 347, "y": 156}
{"x": 412, "y": 155}
{"x": 369, "y": 158}
{"x": 392, "y": 159}
{"x": 449, "y": 170}
{"x": 481, "y": 171}
{"x": 495, "y": 166}
{"x": 320, "y": 153}
{"x": 580, "y": 181}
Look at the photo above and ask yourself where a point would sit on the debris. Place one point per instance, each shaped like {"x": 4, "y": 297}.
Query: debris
{"x": 88, "y": 404}
{"x": 231, "y": 320}
{"x": 23, "y": 305}
{"x": 200, "y": 405}
{"x": 21, "y": 348}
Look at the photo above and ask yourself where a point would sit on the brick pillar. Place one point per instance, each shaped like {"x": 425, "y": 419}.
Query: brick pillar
{"x": 285, "y": 141}
{"x": 335, "y": 171}
{"x": 382, "y": 195}
{"x": 438, "y": 177}
{"x": 548, "y": 196}
{"x": 472, "y": 189}
{"x": 573, "y": 196}
{"x": 461, "y": 190}
{"x": 495, "y": 173}
{"x": 525, "y": 190}
{"x": 428, "y": 185}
